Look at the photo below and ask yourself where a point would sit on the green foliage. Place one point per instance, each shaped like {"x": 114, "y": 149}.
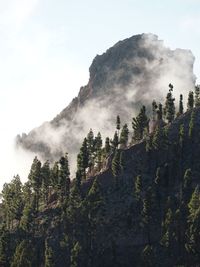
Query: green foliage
{"x": 35, "y": 179}
{"x": 49, "y": 255}
{"x": 107, "y": 146}
{"x": 197, "y": 96}
{"x": 187, "y": 185}
{"x": 116, "y": 163}
{"x": 154, "y": 108}
{"x": 83, "y": 159}
{"x": 24, "y": 255}
{"x": 148, "y": 257}
{"x": 124, "y": 136}
{"x": 54, "y": 175}
{"x": 115, "y": 141}
{"x": 45, "y": 176}
{"x": 138, "y": 185}
{"x": 158, "y": 176}
{"x": 64, "y": 177}
{"x": 160, "y": 138}
{"x": 167, "y": 225}
{"x": 147, "y": 207}
{"x": 153, "y": 220}
{"x": 181, "y": 135}
{"x": 191, "y": 125}
{"x": 169, "y": 105}
{"x": 118, "y": 122}
{"x": 139, "y": 124}
{"x": 180, "y": 109}
{"x": 160, "y": 112}
{"x": 194, "y": 203}
{"x": 5, "y": 244}
{"x": 12, "y": 201}
{"x": 148, "y": 144}
{"x": 77, "y": 255}
{"x": 190, "y": 103}
{"x": 98, "y": 151}
{"x": 27, "y": 220}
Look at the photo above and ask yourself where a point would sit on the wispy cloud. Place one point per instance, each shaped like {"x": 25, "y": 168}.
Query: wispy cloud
{"x": 14, "y": 13}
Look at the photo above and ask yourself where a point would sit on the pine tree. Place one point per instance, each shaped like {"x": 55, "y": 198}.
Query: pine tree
{"x": 64, "y": 177}
{"x": 124, "y": 136}
{"x": 158, "y": 184}
{"x": 138, "y": 185}
{"x": 147, "y": 213}
{"x": 27, "y": 193}
{"x": 49, "y": 255}
{"x": 197, "y": 96}
{"x": 83, "y": 159}
{"x": 115, "y": 142}
{"x": 116, "y": 169}
{"x": 148, "y": 145}
{"x": 94, "y": 199}
{"x": 122, "y": 161}
{"x": 5, "y": 246}
{"x": 91, "y": 148}
{"x": 191, "y": 125}
{"x": 24, "y": 255}
{"x": 118, "y": 124}
{"x": 98, "y": 150}
{"x": 107, "y": 146}
{"x": 154, "y": 109}
{"x": 77, "y": 256}
{"x": 194, "y": 203}
{"x": 190, "y": 103}
{"x": 45, "y": 176}
{"x": 35, "y": 179}
{"x": 160, "y": 138}
{"x": 12, "y": 201}
{"x": 27, "y": 221}
{"x": 169, "y": 105}
{"x": 187, "y": 182}
{"x": 180, "y": 109}
{"x": 168, "y": 229}
{"x": 116, "y": 163}
{"x": 158, "y": 176}
{"x": 181, "y": 136}
{"x": 90, "y": 141}
{"x": 160, "y": 112}
{"x": 157, "y": 141}
{"x": 148, "y": 258}
{"x": 139, "y": 124}
{"x": 55, "y": 176}
{"x": 193, "y": 242}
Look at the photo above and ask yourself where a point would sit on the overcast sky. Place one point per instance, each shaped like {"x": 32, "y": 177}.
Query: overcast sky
{"x": 47, "y": 46}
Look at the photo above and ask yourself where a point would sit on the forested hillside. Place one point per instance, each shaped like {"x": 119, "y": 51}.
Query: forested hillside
{"x": 135, "y": 200}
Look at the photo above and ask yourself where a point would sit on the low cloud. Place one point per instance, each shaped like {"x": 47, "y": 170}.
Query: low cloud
{"x": 149, "y": 72}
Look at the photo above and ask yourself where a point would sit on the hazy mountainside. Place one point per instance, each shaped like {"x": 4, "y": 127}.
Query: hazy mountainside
{"x": 135, "y": 198}
{"x": 134, "y": 70}
{"x": 142, "y": 210}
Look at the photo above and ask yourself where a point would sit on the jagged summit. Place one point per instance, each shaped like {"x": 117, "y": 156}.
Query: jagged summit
{"x": 133, "y": 71}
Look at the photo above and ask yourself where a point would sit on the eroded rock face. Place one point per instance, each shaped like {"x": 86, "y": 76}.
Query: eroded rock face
{"x": 133, "y": 71}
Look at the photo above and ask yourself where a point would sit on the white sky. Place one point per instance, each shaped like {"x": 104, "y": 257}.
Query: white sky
{"x": 47, "y": 46}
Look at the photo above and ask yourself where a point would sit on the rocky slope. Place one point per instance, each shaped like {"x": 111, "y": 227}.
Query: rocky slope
{"x": 117, "y": 231}
{"x": 135, "y": 70}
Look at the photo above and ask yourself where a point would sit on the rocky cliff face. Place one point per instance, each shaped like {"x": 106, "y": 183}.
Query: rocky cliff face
{"x": 133, "y": 71}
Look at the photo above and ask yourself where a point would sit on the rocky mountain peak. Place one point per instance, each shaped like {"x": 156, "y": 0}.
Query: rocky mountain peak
{"x": 133, "y": 71}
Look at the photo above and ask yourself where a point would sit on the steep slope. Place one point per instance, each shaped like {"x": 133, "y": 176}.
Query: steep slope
{"x": 134, "y": 70}
{"x": 112, "y": 221}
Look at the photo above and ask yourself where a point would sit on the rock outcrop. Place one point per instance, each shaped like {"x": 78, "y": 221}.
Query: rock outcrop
{"x": 133, "y": 71}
